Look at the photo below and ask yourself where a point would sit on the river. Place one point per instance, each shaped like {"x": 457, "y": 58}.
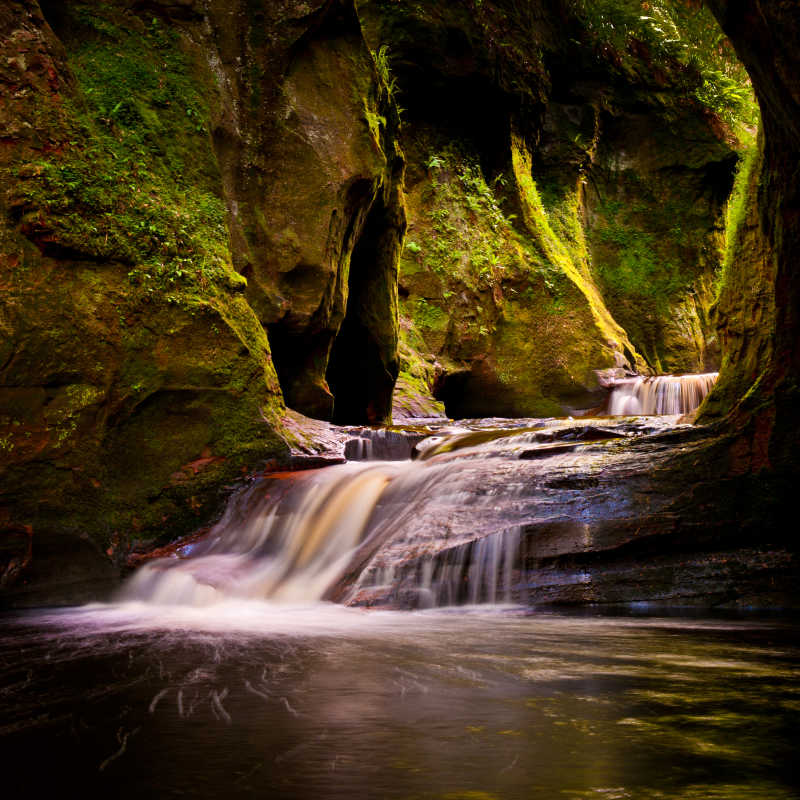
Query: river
{"x": 246, "y": 699}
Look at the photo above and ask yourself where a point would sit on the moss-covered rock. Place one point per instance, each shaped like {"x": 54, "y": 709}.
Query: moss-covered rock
{"x": 758, "y": 389}
{"x": 177, "y": 183}
{"x": 565, "y": 205}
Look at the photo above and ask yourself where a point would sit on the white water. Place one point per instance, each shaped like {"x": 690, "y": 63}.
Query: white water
{"x": 665, "y": 394}
{"x": 442, "y": 530}
{"x": 291, "y": 543}
{"x": 287, "y": 541}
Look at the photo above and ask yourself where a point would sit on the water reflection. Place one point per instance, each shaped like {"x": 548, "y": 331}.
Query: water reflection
{"x": 250, "y": 700}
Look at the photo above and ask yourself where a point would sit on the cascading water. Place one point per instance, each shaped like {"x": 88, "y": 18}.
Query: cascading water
{"x": 664, "y": 394}
{"x": 284, "y": 538}
{"x": 445, "y": 529}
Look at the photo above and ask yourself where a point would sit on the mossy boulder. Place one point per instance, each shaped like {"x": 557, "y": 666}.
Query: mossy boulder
{"x": 178, "y": 186}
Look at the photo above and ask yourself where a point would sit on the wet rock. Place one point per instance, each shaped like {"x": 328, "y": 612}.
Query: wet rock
{"x": 383, "y": 444}
{"x": 607, "y": 524}
{"x": 62, "y": 570}
{"x": 545, "y": 451}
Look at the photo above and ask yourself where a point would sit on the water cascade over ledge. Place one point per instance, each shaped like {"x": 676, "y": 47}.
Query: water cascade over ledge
{"x": 664, "y": 394}
{"x": 457, "y": 525}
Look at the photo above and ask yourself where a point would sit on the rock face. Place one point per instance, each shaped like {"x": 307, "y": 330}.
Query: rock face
{"x": 184, "y": 185}
{"x": 579, "y": 514}
{"x": 558, "y": 220}
{"x": 758, "y": 386}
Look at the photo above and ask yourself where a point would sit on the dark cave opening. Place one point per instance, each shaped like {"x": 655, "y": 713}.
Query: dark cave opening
{"x": 473, "y": 393}
{"x": 358, "y": 376}
{"x": 55, "y": 14}
{"x": 452, "y": 389}
{"x": 294, "y": 354}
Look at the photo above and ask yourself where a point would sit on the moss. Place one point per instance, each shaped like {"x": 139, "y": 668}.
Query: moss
{"x": 138, "y": 181}
{"x": 736, "y": 212}
{"x": 566, "y": 252}
{"x": 632, "y": 266}
{"x": 746, "y": 302}
{"x": 142, "y": 380}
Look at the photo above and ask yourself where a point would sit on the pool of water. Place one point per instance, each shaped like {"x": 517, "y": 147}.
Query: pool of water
{"x": 247, "y": 699}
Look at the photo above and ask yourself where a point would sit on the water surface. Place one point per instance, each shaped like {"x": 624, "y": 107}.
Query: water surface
{"x": 246, "y": 699}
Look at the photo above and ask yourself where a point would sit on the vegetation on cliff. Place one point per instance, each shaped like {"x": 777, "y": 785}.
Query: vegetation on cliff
{"x": 202, "y": 223}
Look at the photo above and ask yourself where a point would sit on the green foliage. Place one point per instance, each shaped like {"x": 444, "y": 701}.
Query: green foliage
{"x": 384, "y": 67}
{"x": 467, "y": 234}
{"x": 635, "y": 268}
{"x": 139, "y": 182}
{"x": 677, "y": 32}
{"x": 434, "y": 162}
{"x": 428, "y": 315}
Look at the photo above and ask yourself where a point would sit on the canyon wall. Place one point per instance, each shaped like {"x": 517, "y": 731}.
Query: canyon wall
{"x": 197, "y": 198}
{"x": 213, "y": 212}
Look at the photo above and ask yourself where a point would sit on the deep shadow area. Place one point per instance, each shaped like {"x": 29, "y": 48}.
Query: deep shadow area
{"x": 468, "y": 394}
{"x": 55, "y": 13}
{"x": 301, "y": 345}
{"x": 360, "y": 381}
{"x": 450, "y": 106}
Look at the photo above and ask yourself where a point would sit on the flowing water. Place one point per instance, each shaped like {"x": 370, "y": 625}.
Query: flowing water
{"x": 248, "y": 699}
{"x": 443, "y": 529}
{"x": 225, "y": 671}
{"x": 664, "y": 394}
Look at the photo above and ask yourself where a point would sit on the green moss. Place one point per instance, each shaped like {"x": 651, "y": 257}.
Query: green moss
{"x": 138, "y": 182}
{"x": 427, "y": 315}
{"x": 736, "y": 212}
{"x": 481, "y": 287}
{"x": 566, "y": 252}
{"x": 632, "y": 266}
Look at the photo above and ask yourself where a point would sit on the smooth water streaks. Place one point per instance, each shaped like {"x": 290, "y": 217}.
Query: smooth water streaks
{"x": 664, "y": 394}
{"x": 287, "y": 538}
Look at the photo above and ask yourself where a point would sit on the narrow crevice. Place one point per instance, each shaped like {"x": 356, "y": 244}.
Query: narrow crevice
{"x": 301, "y": 345}
{"x": 362, "y": 367}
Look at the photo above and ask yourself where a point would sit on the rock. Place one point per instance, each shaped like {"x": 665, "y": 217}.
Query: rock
{"x": 174, "y": 200}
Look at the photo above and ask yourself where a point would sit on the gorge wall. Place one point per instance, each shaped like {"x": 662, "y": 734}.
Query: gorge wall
{"x": 565, "y": 205}
{"x": 214, "y": 211}
{"x": 192, "y": 191}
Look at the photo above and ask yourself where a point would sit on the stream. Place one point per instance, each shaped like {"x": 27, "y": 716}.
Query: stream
{"x": 227, "y": 669}
{"x": 247, "y": 699}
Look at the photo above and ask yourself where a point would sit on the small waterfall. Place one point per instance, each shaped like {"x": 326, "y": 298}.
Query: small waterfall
{"x": 480, "y": 571}
{"x": 295, "y": 537}
{"x": 380, "y": 444}
{"x": 286, "y": 538}
{"x": 443, "y": 529}
{"x": 665, "y": 394}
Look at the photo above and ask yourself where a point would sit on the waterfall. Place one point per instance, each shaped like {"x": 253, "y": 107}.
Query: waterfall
{"x": 291, "y": 537}
{"x": 286, "y": 538}
{"x": 446, "y": 528}
{"x": 481, "y": 571}
{"x": 665, "y": 394}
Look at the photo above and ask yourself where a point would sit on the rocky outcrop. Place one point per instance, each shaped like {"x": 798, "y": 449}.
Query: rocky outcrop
{"x": 313, "y": 180}
{"x": 596, "y": 515}
{"x": 197, "y": 199}
{"x": 565, "y": 206}
{"x": 758, "y": 385}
